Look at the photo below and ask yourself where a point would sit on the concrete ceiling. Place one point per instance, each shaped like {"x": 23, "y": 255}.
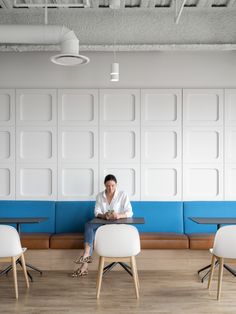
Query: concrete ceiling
{"x": 138, "y": 25}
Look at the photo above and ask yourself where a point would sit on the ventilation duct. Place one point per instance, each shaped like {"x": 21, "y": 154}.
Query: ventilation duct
{"x": 46, "y": 35}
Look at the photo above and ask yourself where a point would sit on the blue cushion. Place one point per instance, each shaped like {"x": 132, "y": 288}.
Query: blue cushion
{"x": 72, "y": 216}
{"x": 159, "y": 216}
{"x": 206, "y": 209}
{"x": 9, "y": 209}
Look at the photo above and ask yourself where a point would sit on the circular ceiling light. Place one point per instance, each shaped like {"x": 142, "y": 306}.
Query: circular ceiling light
{"x": 69, "y": 59}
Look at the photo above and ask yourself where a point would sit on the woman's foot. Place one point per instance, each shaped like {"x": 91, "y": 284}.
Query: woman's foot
{"x": 83, "y": 259}
{"x": 82, "y": 271}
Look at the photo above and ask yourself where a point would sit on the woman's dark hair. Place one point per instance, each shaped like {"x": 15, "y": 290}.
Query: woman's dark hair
{"x": 110, "y": 177}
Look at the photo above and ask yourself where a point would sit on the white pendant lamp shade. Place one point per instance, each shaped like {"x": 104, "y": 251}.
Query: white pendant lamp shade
{"x": 46, "y": 35}
{"x": 115, "y": 72}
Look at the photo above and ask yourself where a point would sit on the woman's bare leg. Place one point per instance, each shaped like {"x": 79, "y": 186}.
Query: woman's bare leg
{"x": 86, "y": 250}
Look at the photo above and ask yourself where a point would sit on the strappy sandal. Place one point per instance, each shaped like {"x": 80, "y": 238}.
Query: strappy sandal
{"x": 79, "y": 273}
{"x": 83, "y": 273}
{"x": 82, "y": 260}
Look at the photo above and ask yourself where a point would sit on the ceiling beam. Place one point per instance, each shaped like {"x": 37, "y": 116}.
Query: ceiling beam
{"x": 122, "y": 48}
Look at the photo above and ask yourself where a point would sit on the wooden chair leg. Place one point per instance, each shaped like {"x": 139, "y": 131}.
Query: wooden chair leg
{"x": 100, "y": 273}
{"x": 220, "y": 275}
{"x": 24, "y": 269}
{"x": 15, "y": 276}
{"x": 134, "y": 271}
{"x": 212, "y": 271}
{"x": 99, "y": 262}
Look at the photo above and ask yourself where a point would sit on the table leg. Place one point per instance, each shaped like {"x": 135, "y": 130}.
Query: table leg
{"x": 9, "y": 268}
{"x": 127, "y": 268}
{"x": 233, "y": 272}
{"x": 29, "y": 275}
{"x": 6, "y": 270}
{"x": 112, "y": 265}
{"x": 230, "y": 270}
{"x": 109, "y": 267}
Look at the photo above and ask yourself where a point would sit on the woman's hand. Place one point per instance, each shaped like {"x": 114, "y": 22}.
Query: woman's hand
{"x": 112, "y": 216}
{"x": 101, "y": 216}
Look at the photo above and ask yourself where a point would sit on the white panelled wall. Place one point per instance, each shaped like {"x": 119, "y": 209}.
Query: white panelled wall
{"x": 162, "y": 144}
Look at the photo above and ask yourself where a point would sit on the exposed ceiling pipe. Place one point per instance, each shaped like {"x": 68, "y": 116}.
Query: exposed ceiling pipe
{"x": 46, "y": 35}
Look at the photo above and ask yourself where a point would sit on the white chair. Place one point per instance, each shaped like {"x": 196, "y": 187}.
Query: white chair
{"x": 117, "y": 243}
{"x": 224, "y": 248}
{"x": 11, "y": 251}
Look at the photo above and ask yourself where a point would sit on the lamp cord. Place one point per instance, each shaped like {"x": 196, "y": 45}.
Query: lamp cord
{"x": 114, "y": 38}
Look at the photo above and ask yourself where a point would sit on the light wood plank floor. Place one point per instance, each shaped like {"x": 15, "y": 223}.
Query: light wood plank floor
{"x": 168, "y": 279}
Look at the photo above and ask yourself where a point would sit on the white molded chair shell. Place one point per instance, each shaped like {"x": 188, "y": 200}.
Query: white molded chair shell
{"x": 10, "y": 244}
{"x": 117, "y": 240}
{"x": 225, "y": 242}
{"x": 12, "y": 251}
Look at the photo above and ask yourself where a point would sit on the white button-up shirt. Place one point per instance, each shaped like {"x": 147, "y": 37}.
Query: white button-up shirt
{"x": 120, "y": 204}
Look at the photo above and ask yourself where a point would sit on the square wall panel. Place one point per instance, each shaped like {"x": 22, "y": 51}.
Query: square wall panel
{"x": 202, "y": 144}
{"x": 7, "y": 144}
{"x": 35, "y": 181}
{"x": 230, "y": 107}
{"x": 78, "y": 107}
{"x": 119, "y": 144}
{"x": 36, "y": 144}
{"x": 202, "y": 182}
{"x": 230, "y": 181}
{"x": 36, "y": 107}
{"x": 78, "y": 144}
{"x": 160, "y": 144}
{"x": 230, "y": 139}
{"x": 160, "y": 182}
{"x": 119, "y": 107}
{"x": 203, "y": 107}
{"x": 77, "y": 182}
{"x": 7, "y": 107}
{"x": 7, "y": 181}
{"x": 128, "y": 178}
{"x": 161, "y": 106}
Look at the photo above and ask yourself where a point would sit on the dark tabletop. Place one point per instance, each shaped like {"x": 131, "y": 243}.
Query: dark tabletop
{"x": 138, "y": 220}
{"x": 214, "y": 220}
{"x": 21, "y": 220}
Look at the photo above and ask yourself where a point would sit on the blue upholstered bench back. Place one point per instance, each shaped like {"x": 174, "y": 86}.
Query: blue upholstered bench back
{"x": 159, "y": 216}
{"x": 71, "y": 216}
{"x": 206, "y": 209}
{"x": 65, "y": 216}
{"x": 10, "y": 209}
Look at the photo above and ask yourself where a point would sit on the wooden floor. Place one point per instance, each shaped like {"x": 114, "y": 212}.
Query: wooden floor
{"x": 168, "y": 279}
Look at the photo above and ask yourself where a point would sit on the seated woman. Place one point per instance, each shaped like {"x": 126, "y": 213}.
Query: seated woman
{"x": 111, "y": 204}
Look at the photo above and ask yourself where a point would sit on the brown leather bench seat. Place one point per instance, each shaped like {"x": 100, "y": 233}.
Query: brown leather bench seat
{"x": 149, "y": 240}
{"x": 35, "y": 241}
{"x": 201, "y": 241}
{"x": 67, "y": 241}
{"x": 164, "y": 240}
